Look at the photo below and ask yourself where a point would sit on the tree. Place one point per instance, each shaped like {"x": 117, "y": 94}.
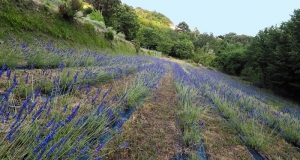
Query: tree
{"x": 148, "y": 37}
{"x": 126, "y": 21}
{"x": 107, "y": 7}
{"x": 165, "y": 44}
{"x": 184, "y": 27}
{"x": 183, "y": 49}
{"x": 196, "y": 32}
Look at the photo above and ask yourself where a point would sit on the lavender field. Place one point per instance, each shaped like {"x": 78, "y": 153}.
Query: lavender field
{"x": 59, "y": 102}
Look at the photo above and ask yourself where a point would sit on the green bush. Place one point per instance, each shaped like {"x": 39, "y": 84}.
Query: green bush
{"x": 109, "y": 35}
{"x": 97, "y": 16}
{"x": 87, "y": 11}
{"x": 69, "y": 8}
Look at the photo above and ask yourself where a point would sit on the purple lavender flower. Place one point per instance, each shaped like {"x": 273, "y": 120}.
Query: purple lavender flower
{"x": 56, "y": 145}
{"x": 8, "y": 73}
{"x": 65, "y": 108}
{"x": 32, "y": 65}
{"x": 26, "y": 79}
{"x": 50, "y": 122}
{"x": 73, "y": 114}
{"x": 99, "y": 147}
{"x": 7, "y": 116}
{"x": 75, "y": 77}
{"x": 84, "y": 149}
{"x": 61, "y": 66}
{"x": 73, "y": 150}
{"x": 4, "y": 67}
{"x": 30, "y": 109}
{"x": 43, "y": 144}
{"x": 80, "y": 137}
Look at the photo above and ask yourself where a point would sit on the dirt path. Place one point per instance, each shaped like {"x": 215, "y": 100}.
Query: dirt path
{"x": 151, "y": 131}
{"x": 220, "y": 141}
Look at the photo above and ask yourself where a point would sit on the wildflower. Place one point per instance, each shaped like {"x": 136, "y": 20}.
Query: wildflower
{"x": 7, "y": 116}
{"x": 72, "y": 151}
{"x": 8, "y": 73}
{"x": 43, "y": 144}
{"x": 4, "y": 67}
{"x": 75, "y": 77}
{"x": 37, "y": 92}
{"x": 30, "y": 109}
{"x": 80, "y": 120}
{"x": 99, "y": 147}
{"x": 26, "y": 79}
{"x": 105, "y": 94}
{"x": 40, "y": 111}
{"x": 32, "y": 65}
{"x": 40, "y": 155}
{"x": 61, "y": 66}
{"x": 54, "y": 146}
{"x": 73, "y": 114}
{"x": 65, "y": 108}
{"x": 39, "y": 136}
{"x": 110, "y": 114}
{"x": 50, "y": 122}
{"x": 84, "y": 149}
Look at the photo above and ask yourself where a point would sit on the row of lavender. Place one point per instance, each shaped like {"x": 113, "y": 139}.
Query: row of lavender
{"x": 57, "y": 114}
{"x": 192, "y": 107}
{"x": 250, "y": 112}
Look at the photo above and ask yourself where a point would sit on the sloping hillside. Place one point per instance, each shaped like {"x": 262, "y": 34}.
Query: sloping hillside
{"x": 153, "y": 18}
{"x": 28, "y": 20}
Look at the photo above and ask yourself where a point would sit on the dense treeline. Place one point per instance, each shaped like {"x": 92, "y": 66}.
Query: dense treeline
{"x": 272, "y": 58}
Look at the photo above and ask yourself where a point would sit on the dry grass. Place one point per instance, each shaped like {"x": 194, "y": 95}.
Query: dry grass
{"x": 220, "y": 141}
{"x": 152, "y": 131}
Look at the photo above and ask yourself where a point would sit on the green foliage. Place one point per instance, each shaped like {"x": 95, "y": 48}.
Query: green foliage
{"x": 184, "y": 27}
{"x": 152, "y": 19}
{"x": 97, "y": 16}
{"x": 109, "y": 35}
{"x": 107, "y": 7}
{"x": 125, "y": 20}
{"x": 270, "y": 58}
{"x": 232, "y": 60}
{"x": 204, "y": 39}
{"x": 8, "y": 56}
{"x": 183, "y": 49}
{"x": 203, "y": 58}
{"x": 88, "y": 10}
{"x": 39, "y": 60}
{"x": 135, "y": 95}
{"x": 69, "y": 8}
{"x": 234, "y": 38}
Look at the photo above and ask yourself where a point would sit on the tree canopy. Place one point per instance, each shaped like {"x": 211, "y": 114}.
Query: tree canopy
{"x": 182, "y": 26}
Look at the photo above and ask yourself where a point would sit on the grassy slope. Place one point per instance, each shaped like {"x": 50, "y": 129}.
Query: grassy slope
{"x": 25, "y": 20}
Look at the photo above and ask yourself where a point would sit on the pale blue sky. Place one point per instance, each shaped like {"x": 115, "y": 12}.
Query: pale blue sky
{"x": 222, "y": 16}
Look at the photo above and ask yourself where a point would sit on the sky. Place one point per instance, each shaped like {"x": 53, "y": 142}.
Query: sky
{"x": 223, "y": 16}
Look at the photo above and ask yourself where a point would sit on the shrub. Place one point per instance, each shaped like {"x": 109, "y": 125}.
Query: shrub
{"x": 97, "y": 16}
{"x": 87, "y": 11}
{"x": 69, "y": 8}
{"x": 121, "y": 35}
{"x": 109, "y": 35}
